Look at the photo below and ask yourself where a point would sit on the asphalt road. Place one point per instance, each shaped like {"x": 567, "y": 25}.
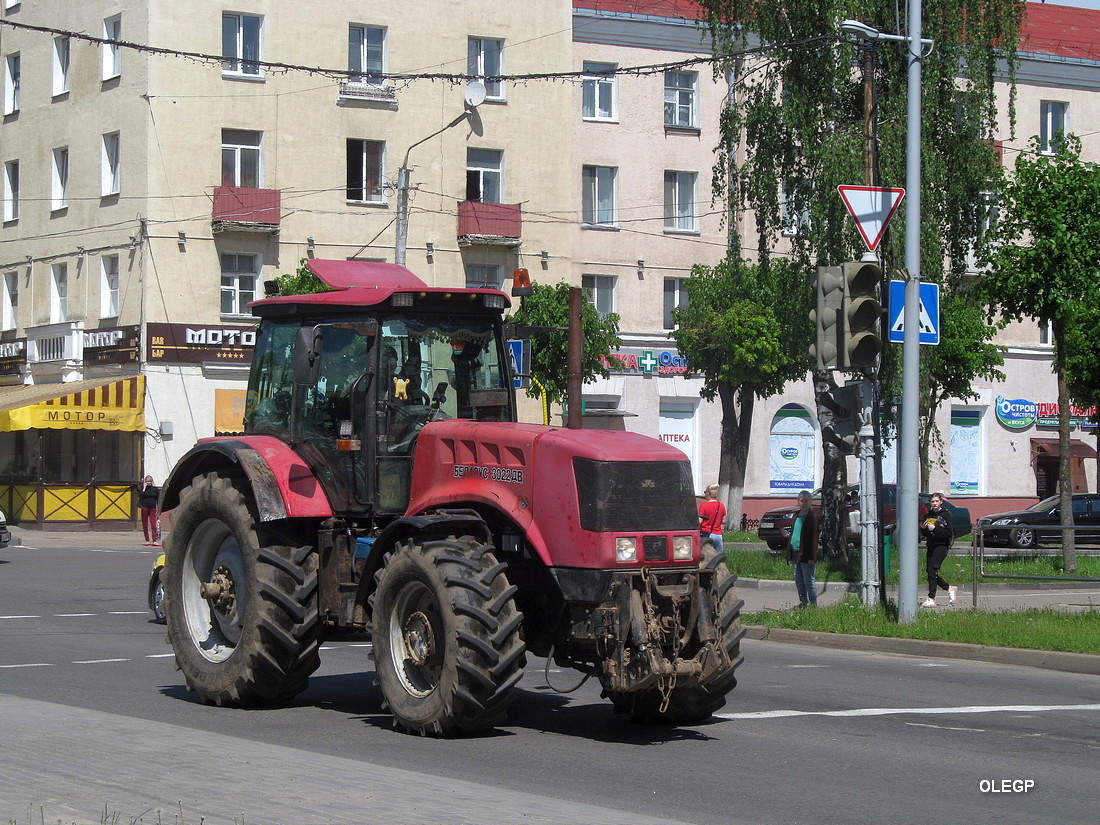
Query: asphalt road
{"x": 97, "y": 720}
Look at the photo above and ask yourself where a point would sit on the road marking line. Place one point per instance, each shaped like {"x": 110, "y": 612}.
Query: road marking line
{"x": 71, "y": 615}
{"x": 20, "y": 617}
{"x": 30, "y": 664}
{"x": 806, "y": 667}
{"x": 99, "y": 661}
{"x": 126, "y": 612}
{"x": 779, "y": 714}
{"x": 159, "y": 655}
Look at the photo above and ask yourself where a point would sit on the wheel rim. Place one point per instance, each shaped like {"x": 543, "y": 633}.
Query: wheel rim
{"x": 415, "y": 637}
{"x": 1025, "y": 538}
{"x": 214, "y": 591}
{"x": 158, "y": 600}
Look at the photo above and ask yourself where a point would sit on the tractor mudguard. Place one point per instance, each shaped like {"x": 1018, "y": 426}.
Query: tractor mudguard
{"x": 282, "y": 484}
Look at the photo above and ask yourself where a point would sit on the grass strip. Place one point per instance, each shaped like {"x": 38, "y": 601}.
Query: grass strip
{"x": 1036, "y": 629}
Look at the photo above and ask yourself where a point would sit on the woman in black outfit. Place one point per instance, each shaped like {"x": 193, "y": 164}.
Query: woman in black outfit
{"x": 939, "y": 534}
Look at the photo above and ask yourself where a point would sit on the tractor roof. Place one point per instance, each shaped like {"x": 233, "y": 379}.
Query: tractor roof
{"x": 356, "y": 284}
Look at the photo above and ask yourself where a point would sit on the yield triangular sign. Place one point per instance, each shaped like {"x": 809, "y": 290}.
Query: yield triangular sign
{"x": 871, "y": 207}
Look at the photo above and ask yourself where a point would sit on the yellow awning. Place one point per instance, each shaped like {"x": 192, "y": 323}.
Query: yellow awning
{"x": 98, "y": 404}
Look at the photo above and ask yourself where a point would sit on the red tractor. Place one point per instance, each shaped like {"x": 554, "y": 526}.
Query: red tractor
{"x": 382, "y": 484}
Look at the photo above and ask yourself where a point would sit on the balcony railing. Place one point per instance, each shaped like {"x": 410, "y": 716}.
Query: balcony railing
{"x": 491, "y": 224}
{"x": 238, "y": 209}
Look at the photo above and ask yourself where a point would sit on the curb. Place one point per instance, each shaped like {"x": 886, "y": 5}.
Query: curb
{"x": 1086, "y": 663}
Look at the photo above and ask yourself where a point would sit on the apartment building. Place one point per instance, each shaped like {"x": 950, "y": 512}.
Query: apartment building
{"x": 152, "y": 186}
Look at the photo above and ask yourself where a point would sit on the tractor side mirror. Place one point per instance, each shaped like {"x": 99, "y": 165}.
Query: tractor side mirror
{"x": 307, "y": 356}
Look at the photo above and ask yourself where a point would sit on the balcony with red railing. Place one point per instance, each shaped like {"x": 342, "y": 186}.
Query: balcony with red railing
{"x": 239, "y": 209}
{"x": 489, "y": 224}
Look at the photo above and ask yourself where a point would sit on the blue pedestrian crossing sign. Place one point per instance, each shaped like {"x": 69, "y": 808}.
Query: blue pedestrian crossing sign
{"x": 929, "y": 313}
{"x": 519, "y": 357}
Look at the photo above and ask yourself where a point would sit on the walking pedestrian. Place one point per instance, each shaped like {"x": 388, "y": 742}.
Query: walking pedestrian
{"x": 802, "y": 551}
{"x": 712, "y": 518}
{"x": 148, "y": 499}
{"x": 939, "y": 535}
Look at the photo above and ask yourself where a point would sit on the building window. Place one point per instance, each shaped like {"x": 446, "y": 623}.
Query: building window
{"x": 365, "y": 165}
{"x": 1054, "y": 118}
{"x": 11, "y": 191}
{"x": 108, "y": 290}
{"x": 486, "y": 62}
{"x": 680, "y": 202}
{"x": 112, "y": 52}
{"x": 110, "y": 164}
{"x": 241, "y": 158}
{"x": 60, "y": 65}
{"x": 483, "y": 276}
{"x": 675, "y": 296}
{"x": 598, "y": 87}
{"x": 366, "y": 54}
{"x": 680, "y": 99}
{"x": 599, "y": 290}
{"x": 241, "y": 45}
{"x": 598, "y": 197}
{"x": 1046, "y": 333}
{"x": 59, "y": 195}
{"x": 59, "y": 293}
{"x": 11, "y": 300}
{"x": 239, "y": 274}
{"x": 11, "y": 84}
{"x": 484, "y": 180}
{"x": 794, "y": 208}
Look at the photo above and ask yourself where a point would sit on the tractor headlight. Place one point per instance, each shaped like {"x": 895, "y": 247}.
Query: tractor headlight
{"x": 681, "y": 548}
{"x": 626, "y": 549}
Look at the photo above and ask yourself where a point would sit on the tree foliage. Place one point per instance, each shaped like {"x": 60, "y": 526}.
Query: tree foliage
{"x": 300, "y": 282}
{"x": 548, "y": 306}
{"x": 794, "y": 130}
{"x": 1044, "y": 256}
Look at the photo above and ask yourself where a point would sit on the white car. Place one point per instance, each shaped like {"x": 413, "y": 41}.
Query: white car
{"x": 5, "y": 533}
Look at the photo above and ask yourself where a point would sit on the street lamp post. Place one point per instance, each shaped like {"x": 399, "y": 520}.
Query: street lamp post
{"x": 908, "y": 466}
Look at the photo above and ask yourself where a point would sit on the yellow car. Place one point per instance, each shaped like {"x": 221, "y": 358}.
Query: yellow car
{"x": 156, "y": 590}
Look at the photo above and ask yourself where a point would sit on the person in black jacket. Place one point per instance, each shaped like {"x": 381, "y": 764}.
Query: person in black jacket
{"x": 939, "y": 534}
{"x": 148, "y": 499}
{"x": 802, "y": 551}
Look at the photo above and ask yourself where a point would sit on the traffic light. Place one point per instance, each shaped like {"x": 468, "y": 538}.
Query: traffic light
{"x": 862, "y": 327}
{"x": 828, "y": 317}
{"x": 838, "y": 415}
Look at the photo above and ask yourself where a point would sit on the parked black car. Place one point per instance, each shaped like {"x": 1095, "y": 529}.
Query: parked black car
{"x": 775, "y": 525}
{"x": 5, "y": 533}
{"x": 1023, "y": 529}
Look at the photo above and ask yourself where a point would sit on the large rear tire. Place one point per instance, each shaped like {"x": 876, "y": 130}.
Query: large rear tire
{"x": 240, "y": 601}
{"x": 447, "y": 646}
{"x": 690, "y": 705}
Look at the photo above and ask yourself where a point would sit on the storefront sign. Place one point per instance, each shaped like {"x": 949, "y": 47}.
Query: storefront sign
{"x": 196, "y": 344}
{"x": 13, "y": 355}
{"x": 1019, "y": 413}
{"x": 646, "y": 362}
{"x": 118, "y": 345}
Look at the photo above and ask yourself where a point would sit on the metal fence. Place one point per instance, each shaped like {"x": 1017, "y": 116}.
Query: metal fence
{"x": 1046, "y": 543}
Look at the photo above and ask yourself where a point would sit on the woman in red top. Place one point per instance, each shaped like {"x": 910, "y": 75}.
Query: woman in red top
{"x": 712, "y": 517}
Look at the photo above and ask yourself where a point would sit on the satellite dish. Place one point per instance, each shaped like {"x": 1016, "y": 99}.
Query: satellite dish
{"x": 475, "y": 93}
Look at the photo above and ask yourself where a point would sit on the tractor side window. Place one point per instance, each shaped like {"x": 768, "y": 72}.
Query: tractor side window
{"x": 270, "y": 383}
{"x": 340, "y": 391}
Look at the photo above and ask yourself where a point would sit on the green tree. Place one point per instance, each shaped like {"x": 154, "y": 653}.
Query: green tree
{"x": 548, "y": 306}
{"x": 1044, "y": 255}
{"x": 744, "y": 330}
{"x": 300, "y": 282}
{"x": 794, "y": 129}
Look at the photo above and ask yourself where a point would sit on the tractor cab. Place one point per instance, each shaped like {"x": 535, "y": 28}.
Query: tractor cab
{"x": 349, "y": 377}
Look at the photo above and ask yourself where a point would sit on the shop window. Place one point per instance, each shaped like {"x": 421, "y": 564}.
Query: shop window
{"x": 966, "y": 452}
{"x": 793, "y": 451}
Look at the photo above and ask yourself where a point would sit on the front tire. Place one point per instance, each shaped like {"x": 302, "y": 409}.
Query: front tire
{"x": 447, "y": 646}
{"x": 242, "y": 611}
{"x": 691, "y": 705}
